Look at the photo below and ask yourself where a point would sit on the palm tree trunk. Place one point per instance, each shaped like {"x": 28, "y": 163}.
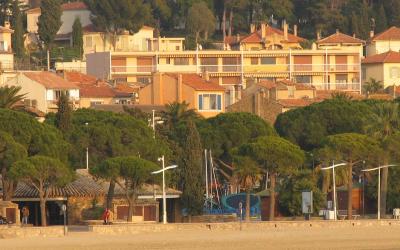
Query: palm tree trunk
{"x": 272, "y": 197}
{"x": 110, "y": 194}
{"x": 230, "y": 22}
{"x": 224, "y": 24}
{"x": 130, "y": 210}
{"x": 384, "y": 183}
{"x": 248, "y": 205}
{"x": 350, "y": 192}
{"x": 325, "y": 182}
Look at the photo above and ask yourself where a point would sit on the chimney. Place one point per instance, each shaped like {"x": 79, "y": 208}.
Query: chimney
{"x": 285, "y": 30}
{"x": 371, "y": 34}
{"x": 6, "y": 24}
{"x": 354, "y": 35}
{"x": 252, "y": 28}
{"x": 295, "y": 29}
{"x": 263, "y": 30}
{"x": 237, "y": 38}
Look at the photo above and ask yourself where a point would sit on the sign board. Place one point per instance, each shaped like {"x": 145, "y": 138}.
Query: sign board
{"x": 64, "y": 208}
{"x": 307, "y": 202}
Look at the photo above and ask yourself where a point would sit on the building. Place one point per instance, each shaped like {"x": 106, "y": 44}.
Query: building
{"x": 43, "y": 89}
{"x": 269, "y": 99}
{"x": 6, "y": 52}
{"x": 384, "y": 67}
{"x": 340, "y": 41}
{"x": 205, "y": 97}
{"x": 266, "y": 38}
{"x": 96, "y": 92}
{"x": 384, "y": 42}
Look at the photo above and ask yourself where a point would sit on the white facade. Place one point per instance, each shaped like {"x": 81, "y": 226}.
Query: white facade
{"x": 382, "y": 46}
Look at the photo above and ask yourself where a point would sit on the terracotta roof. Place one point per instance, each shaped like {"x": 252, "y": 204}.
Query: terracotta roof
{"x": 74, "y": 6}
{"x": 197, "y": 82}
{"x": 91, "y": 28}
{"x": 339, "y": 37}
{"x": 387, "y": 57}
{"x": 393, "y": 33}
{"x": 126, "y": 88}
{"x": 266, "y": 84}
{"x": 34, "y": 10}
{"x": 295, "y": 103}
{"x": 50, "y": 80}
{"x": 77, "y": 77}
{"x": 5, "y": 30}
{"x": 99, "y": 90}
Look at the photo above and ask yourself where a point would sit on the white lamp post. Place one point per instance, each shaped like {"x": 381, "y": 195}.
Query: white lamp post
{"x": 87, "y": 152}
{"x": 334, "y": 183}
{"x": 163, "y": 185}
{"x": 379, "y": 184}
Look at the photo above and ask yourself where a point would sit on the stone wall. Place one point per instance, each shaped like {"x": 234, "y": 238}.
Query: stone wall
{"x": 27, "y": 232}
{"x": 77, "y": 205}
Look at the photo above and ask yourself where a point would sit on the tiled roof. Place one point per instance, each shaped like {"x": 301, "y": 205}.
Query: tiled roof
{"x": 50, "y": 80}
{"x": 197, "y": 82}
{"x": 387, "y": 57}
{"x": 296, "y": 103}
{"x": 126, "y": 88}
{"x": 74, "y": 6}
{"x": 266, "y": 84}
{"x": 256, "y": 36}
{"x": 339, "y": 37}
{"x": 393, "y": 33}
{"x": 5, "y": 30}
{"x": 96, "y": 90}
{"x": 77, "y": 77}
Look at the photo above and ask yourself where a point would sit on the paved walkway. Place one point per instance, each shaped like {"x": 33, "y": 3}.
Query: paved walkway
{"x": 385, "y": 237}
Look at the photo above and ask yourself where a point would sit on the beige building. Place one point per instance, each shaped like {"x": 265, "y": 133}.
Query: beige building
{"x": 383, "y": 42}
{"x": 383, "y": 67}
{"x": 43, "y": 89}
{"x": 340, "y": 41}
{"x": 205, "y": 97}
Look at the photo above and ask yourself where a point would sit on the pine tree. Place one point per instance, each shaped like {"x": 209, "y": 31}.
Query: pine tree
{"x": 364, "y": 21}
{"x": 18, "y": 26}
{"x": 192, "y": 174}
{"x": 77, "y": 36}
{"x": 381, "y": 21}
{"x": 64, "y": 113}
{"x": 49, "y": 23}
{"x": 355, "y": 25}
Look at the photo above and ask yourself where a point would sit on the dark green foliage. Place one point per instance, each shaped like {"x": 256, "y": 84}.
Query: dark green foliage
{"x": 18, "y": 27}
{"x": 64, "y": 113}
{"x": 10, "y": 97}
{"x": 77, "y": 36}
{"x": 49, "y": 21}
{"x": 308, "y": 126}
{"x": 192, "y": 184}
{"x": 380, "y": 19}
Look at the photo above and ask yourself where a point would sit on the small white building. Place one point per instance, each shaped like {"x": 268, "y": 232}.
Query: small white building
{"x": 43, "y": 89}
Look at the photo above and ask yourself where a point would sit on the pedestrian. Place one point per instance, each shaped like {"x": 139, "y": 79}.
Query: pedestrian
{"x": 25, "y": 215}
{"x": 106, "y": 216}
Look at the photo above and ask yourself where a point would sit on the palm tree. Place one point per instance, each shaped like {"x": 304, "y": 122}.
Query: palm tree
{"x": 9, "y": 97}
{"x": 372, "y": 86}
{"x": 177, "y": 112}
{"x": 341, "y": 96}
{"x": 384, "y": 123}
{"x": 247, "y": 173}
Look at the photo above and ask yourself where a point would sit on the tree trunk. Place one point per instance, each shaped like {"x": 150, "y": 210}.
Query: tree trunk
{"x": 224, "y": 24}
{"x": 130, "y": 210}
{"x": 272, "y": 197}
{"x": 248, "y": 205}
{"x": 325, "y": 182}
{"x": 7, "y": 185}
{"x": 230, "y": 22}
{"x": 43, "y": 209}
{"x": 206, "y": 35}
{"x": 350, "y": 192}
{"x": 110, "y": 194}
{"x": 384, "y": 183}
{"x": 197, "y": 37}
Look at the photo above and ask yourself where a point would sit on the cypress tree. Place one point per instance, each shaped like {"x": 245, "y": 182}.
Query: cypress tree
{"x": 355, "y": 25}
{"x": 18, "y": 26}
{"x": 77, "y": 36}
{"x": 381, "y": 20}
{"x": 364, "y": 21}
{"x": 64, "y": 113}
{"x": 49, "y": 23}
{"x": 192, "y": 174}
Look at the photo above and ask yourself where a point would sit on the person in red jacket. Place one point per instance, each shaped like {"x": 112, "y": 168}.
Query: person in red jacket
{"x": 106, "y": 216}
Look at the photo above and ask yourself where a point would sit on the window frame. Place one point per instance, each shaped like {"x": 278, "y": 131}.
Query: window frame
{"x": 201, "y": 102}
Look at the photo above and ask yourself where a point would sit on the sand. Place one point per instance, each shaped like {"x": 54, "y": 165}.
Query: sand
{"x": 382, "y": 237}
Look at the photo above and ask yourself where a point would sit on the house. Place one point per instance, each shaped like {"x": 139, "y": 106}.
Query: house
{"x": 384, "y": 67}
{"x": 268, "y": 99}
{"x": 340, "y": 41}
{"x": 207, "y": 98}
{"x": 43, "y": 89}
{"x": 96, "y": 92}
{"x": 266, "y": 38}
{"x": 384, "y": 41}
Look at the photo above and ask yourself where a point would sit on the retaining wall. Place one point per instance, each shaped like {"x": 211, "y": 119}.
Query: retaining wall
{"x": 27, "y": 232}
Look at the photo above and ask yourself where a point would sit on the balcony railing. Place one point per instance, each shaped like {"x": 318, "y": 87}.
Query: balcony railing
{"x": 354, "y": 86}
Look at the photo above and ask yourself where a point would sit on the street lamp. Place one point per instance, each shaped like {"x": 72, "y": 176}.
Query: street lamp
{"x": 163, "y": 185}
{"x": 334, "y": 183}
{"x": 87, "y": 151}
{"x": 379, "y": 184}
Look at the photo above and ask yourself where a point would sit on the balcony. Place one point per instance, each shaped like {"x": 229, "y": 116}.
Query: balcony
{"x": 337, "y": 86}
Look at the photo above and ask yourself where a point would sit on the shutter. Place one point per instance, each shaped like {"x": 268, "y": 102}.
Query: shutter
{"x": 200, "y": 102}
{"x": 219, "y": 106}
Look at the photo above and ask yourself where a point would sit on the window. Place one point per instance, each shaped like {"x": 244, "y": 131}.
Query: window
{"x": 394, "y": 72}
{"x": 181, "y": 61}
{"x": 89, "y": 42}
{"x": 303, "y": 79}
{"x": 144, "y": 80}
{"x": 254, "y": 61}
{"x": 210, "y": 102}
{"x": 177, "y": 48}
{"x": 93, "y": 103}
{"x": 58, "y": 93}
{"x": 268, "y": 60}
{"x": 341, "y": 78}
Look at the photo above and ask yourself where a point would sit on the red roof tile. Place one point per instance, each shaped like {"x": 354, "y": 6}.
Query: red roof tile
{"x": 393, "y": 33}
{"x": 97, "y": 90}
{"x": 74, "y": 6}
{"x": 77, "y": 77}
{"x": 267, "y": 84}
{"x": 50, "y": 80}
{"x": 387, "y": 57}
{"x": 197, "y": 82}
{"x": 339, "y": 37}
{"x": 296, "y": 103}
{"x": 126, "y": 88}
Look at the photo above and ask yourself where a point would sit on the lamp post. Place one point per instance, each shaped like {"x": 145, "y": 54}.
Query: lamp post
{"x": 163, "y": 185}
{"x": 379, "y": 184}
{"x": 334, "y": 183}
{"x": 153, "y": 124}
{"x": 87, "y": 151}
